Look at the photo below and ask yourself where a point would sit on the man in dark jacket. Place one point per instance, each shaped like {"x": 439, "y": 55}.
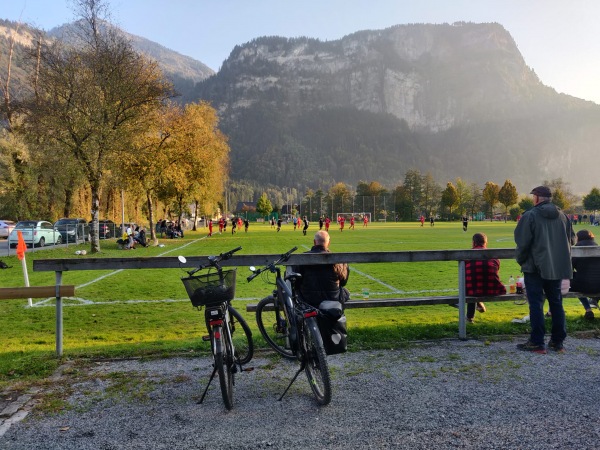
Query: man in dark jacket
{"x": 544, "y": 236}
{"x": 321, "y": 282}
{"x": 586, "y": 277}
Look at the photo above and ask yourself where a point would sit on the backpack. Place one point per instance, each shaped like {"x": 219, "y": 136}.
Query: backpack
{"x": 3, "y": 265}
{"x": 332, "y": 325}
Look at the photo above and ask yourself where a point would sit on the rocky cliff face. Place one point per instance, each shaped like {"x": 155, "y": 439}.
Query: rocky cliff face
{"x": 431, "y": 76}
{"x": 463, "y": 100}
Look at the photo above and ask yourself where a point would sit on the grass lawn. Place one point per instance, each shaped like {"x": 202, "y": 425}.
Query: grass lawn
{"x": 146, "y": 312}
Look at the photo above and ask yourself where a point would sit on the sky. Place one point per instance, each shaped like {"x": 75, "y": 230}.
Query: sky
{"x": 559, "y": 39}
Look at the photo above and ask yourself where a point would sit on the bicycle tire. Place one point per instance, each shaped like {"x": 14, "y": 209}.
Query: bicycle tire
{"x": 224, "y": 364}
{"x": 317, "y": 369}
{"x": 243, "y": 344}
{"x": 273, "y": 326}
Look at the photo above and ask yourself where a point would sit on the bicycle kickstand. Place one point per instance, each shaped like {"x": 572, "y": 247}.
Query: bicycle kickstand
{"x": 208, "y": 385}
{"x": 302, "y": 366}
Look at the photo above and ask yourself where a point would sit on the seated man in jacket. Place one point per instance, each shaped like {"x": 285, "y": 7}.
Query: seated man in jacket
{"x": 586, "y": 275}
{"x": 321, "y": 282}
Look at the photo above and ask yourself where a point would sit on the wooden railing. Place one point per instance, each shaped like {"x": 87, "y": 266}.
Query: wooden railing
{"x": 65, "y": 265}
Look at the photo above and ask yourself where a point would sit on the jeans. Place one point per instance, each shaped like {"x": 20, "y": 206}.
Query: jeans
{"x": 585, "y": 303}
{"x": 536, "y": 287}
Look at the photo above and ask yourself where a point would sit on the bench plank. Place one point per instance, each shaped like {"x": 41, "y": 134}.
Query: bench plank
{"x": 36, "y": 292}
{"x": 436, "y": 300}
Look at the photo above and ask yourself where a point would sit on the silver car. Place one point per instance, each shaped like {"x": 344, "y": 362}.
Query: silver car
{"x": 6, "y": 226}
{"x": 35, "y": 233}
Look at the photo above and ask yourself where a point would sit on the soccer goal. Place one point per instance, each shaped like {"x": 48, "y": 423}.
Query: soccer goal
{"x": 358, "y": 216}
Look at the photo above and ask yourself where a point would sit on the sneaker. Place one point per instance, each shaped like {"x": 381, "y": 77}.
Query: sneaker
{"x": 589, "y": 315}
{"x": 531, "y": 347}
{"x": 556, "y": 346}
{"x": 548, "y": 314}
{"x": 480, "y": 307}
{"x": 470, "y": 320}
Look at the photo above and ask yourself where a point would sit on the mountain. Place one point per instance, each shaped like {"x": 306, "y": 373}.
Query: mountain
{"x": 184, "y": 72}
{"x": 454, "y": 100}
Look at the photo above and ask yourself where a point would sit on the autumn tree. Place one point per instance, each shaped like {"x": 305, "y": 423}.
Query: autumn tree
{"x": 508, "y": 196}
{"x": 490, "y": 196}
{"x": 93, "y": 99}
{"x": 202, "y": 156}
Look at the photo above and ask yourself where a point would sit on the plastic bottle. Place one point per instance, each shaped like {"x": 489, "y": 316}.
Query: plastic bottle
{"x": 512, "y": 285}
{"x": 520, "y": 283}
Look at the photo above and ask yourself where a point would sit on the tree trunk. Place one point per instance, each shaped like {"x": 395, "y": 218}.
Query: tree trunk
{"x": 151, "y": 217}
{"x": 94, "y": 229}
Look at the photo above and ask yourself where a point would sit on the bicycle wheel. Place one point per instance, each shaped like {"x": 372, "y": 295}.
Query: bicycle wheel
{"x": 242, "y": 342}
{"x": 224, "y": 364}
{"x": 317, "y": 370}
{"x": 273, "y": 325}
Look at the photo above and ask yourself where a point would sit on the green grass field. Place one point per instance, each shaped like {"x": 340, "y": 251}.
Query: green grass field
{"x": 147, "y": 313}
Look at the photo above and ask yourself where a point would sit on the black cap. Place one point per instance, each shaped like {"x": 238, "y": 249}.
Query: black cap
{"x": 542, "y": 191}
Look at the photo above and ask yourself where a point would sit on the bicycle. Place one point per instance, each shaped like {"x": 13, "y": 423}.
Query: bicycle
{"x": 290, "y": 327}
{"x": 214, "y": 291}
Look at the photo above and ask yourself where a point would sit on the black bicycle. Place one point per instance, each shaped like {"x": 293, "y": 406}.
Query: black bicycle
{"x": 214, "y": 291}
{"x": 290, "y": 327}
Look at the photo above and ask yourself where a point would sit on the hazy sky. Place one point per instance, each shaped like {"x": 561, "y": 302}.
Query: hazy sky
{"x": 559, "y": 39}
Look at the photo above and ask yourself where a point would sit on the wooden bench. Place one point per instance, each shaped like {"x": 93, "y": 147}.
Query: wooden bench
{"x": 435, "y": 300}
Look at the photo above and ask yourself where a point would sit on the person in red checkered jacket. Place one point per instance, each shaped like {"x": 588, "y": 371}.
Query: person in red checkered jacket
{"x": 481, "y": 278}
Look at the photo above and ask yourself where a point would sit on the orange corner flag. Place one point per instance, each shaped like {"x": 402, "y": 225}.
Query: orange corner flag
{"x": 21, "y": 247}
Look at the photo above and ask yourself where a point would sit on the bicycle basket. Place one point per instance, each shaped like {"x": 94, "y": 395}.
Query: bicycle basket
{"x": 211, "y": 288}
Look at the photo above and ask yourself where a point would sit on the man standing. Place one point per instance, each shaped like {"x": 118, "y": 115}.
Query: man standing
{"x": 305, "y": 220}
{"x": 544, "y": 237}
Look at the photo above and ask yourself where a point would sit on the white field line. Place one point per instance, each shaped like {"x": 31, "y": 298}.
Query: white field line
{"x": 95, "y": 280}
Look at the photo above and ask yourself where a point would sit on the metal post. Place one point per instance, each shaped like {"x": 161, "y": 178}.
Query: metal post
{"x": 59, "y": 316}
{"x": 462, "y": 323}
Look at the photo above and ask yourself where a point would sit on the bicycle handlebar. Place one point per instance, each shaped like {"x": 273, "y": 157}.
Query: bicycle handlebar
{"x": 271, "y": 266}
{"x": 213, "y": 261}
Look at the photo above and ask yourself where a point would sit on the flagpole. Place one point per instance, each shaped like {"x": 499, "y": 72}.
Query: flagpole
{"x": 21, "y": 249}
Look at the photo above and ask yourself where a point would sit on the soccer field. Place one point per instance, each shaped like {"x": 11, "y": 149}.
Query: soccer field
{"x": 381, "y": 280}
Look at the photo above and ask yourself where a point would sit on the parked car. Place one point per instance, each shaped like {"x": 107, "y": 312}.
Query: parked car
{"x": 35, "y": 232}
{"x": 73, "y": 230}
{"x": 6, "y": 226}
{"x": 106, "y": 229}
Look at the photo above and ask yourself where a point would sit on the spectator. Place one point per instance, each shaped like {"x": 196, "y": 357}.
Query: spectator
{"x": 586, "y": 275}
{"x": 322, "y": 282}
{"x": 481, "y": 277}
{"x": 140, "y": 236}
{"x": 544, "y": 237}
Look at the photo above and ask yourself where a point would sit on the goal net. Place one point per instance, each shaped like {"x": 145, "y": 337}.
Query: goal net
{"x": 358, "y": 216}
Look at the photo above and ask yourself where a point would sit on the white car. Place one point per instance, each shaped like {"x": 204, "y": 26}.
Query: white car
{"x": 35, "y": 233}
{"x": 6, "y": 226}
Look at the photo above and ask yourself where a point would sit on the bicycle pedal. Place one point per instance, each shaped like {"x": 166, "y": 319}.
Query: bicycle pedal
{"x": 206, "y": 338}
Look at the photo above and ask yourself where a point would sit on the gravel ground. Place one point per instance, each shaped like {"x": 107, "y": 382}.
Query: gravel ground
{"x": 449, "y": 394}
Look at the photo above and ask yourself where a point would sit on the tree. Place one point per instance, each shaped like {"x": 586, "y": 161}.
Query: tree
{"x": 591, "y": 202}
{"x": 490, "y": 195}
{"x": 432, "y": 194}
{"x": 464, "y": 195}
{"x": 414, "y": 187}
{"x": 263, "y": 205}
{"x": 526, "y": 204}
{"x": 562, "y": 196}
{"x": 508, "y": 196}
{"x": 450, "y": 197}
{"x": 93, "y": 99}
